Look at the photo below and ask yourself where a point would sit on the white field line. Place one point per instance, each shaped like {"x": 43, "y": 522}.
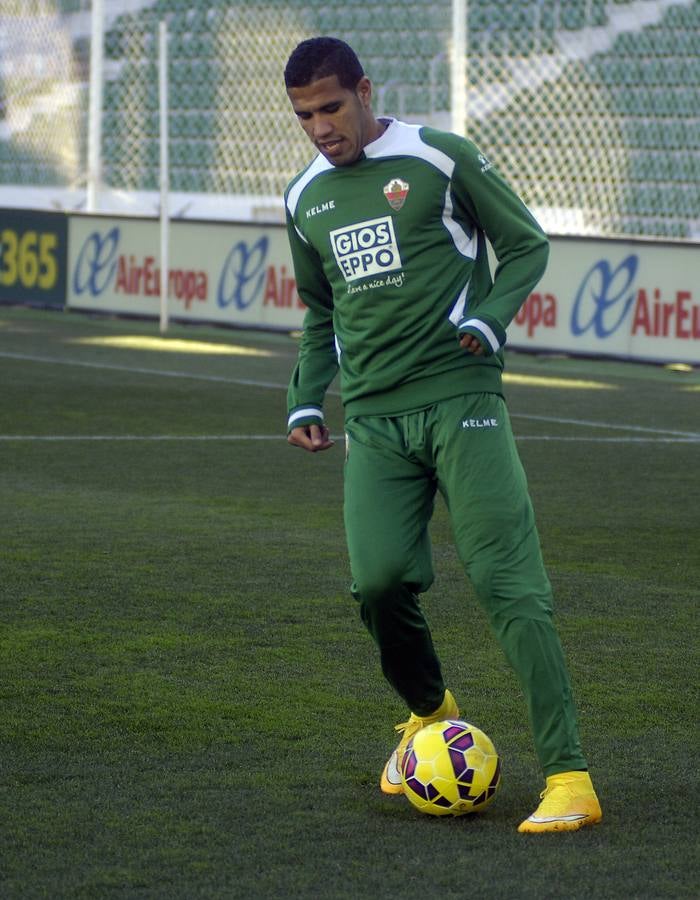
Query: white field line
{"x": 615, "y": 426}
{"x": 57, "y": 438}
{"x": 608, "y": 440}
{"x": 251, "y": 382}
{"x": 106, "y": 438}
{"x": 164, "y": 373}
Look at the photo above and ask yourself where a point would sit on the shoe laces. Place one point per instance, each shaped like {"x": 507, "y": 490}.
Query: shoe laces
{"x": 552, "y": 796}
{"x": 562, "y": 783}
{"x": 413, "y": 722}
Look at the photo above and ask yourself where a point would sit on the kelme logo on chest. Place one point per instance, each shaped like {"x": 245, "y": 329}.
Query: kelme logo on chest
{"x": 366, "y": 248}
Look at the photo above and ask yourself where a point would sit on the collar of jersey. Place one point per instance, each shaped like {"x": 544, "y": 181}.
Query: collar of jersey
{"x": 379, "y": 145}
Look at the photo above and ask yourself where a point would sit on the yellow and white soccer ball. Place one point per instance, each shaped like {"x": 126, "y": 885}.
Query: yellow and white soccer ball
{"x": 450, "y": 768}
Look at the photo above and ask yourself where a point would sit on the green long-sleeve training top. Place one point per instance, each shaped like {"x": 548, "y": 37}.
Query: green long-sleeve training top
{"x": 390, "y": 258}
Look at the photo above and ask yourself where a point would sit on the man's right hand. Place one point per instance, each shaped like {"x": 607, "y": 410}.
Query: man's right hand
{"x": 310, "y": 437}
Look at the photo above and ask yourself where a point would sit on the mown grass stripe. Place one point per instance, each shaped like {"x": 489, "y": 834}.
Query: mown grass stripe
{"x": 253, "y": 382}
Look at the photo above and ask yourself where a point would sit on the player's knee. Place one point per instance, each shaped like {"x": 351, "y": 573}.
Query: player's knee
{"x": 381, "y": 576}
{"x": 379, "y": 588}
{"x": 507, "y": 596}
{"x": 389, "y": 609}
{"x": 388, "y": 593}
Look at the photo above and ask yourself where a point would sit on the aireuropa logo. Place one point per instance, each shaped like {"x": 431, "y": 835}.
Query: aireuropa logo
{"x": 243, "y": 274}
{"x": 609, "y": 296}
{"x": 604, "y": 297}
{"x": 96, "y": 262}
{"x": 366, "y": 248}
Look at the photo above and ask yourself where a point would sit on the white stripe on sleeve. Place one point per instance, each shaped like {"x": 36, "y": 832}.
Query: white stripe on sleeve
{"x": 485, "y": 330}
{"x": 458, "y": 309}
{"x": 303, "y": 414}
{"x": 465, "y": 244}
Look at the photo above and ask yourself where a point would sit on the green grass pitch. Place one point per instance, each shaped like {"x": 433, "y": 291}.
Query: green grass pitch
{"x": 189, "y": 704}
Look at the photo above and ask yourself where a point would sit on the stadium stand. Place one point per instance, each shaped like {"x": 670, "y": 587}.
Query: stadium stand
{"x": 577, "y": 98}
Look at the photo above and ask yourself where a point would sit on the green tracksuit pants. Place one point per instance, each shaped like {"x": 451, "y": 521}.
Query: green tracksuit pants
{"x": 463, "y": 447}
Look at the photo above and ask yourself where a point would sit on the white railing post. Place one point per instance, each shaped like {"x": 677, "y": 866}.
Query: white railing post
{"x": 94, "y": 161}
{"x": 458, "y": 68}
{"x": 164, "y": 173}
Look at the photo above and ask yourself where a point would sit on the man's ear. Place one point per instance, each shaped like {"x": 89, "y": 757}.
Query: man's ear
{"x": 364, "y": 91}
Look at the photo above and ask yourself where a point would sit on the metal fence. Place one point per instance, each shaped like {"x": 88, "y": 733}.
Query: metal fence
{"x": 588, "y": 107}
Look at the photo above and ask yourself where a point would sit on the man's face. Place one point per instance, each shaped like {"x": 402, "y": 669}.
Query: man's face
{"x": 338, "y": 121}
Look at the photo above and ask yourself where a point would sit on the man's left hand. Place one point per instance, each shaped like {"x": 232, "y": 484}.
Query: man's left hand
{"x": 469, "y": 343}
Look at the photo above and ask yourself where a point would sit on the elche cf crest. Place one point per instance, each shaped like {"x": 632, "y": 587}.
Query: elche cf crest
{"x": 396, "y": 192}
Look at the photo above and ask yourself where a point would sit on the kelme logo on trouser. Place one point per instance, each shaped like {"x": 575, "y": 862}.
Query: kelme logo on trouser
{"x": 479, "y": 423}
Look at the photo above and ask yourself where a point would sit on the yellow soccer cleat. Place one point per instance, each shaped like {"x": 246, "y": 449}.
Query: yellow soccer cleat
{"x": 390, "y": 782}
{"x": 568, "y": 803}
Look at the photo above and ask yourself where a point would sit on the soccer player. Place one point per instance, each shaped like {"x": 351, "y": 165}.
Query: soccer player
{"x": 388, "y": 227}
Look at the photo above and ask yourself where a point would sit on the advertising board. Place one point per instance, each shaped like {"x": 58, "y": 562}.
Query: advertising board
{"x": 222, "y": 273}
{"x": 32, "y": 257}
{"x": 624, "y": 299}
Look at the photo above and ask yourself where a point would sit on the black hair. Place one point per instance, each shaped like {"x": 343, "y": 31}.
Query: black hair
{"x": 321, "y": 57}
